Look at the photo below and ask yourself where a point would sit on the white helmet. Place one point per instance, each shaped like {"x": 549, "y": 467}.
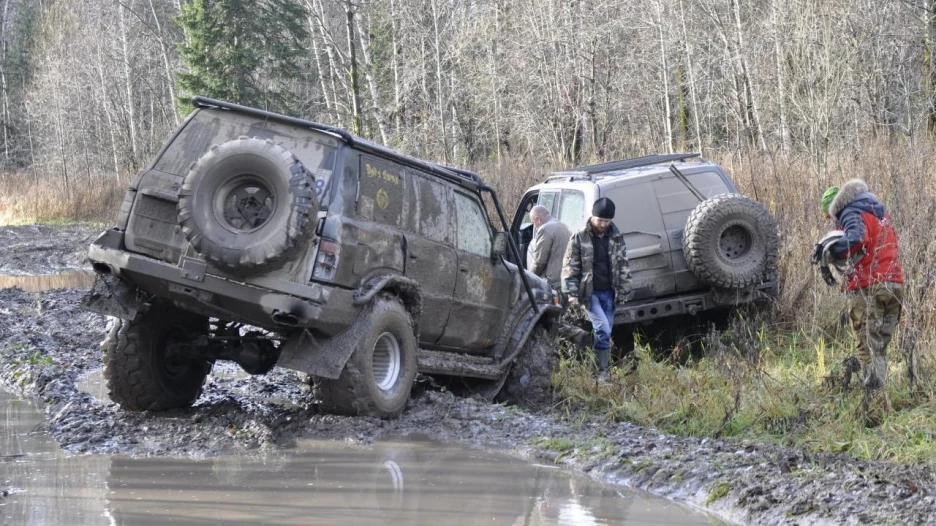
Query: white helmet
{"x": 842, "y": 266}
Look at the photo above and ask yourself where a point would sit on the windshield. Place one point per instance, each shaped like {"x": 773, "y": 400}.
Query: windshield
{"x": 317, "y": 151}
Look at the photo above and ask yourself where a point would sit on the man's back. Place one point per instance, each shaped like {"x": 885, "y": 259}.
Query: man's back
{"x": 549, "y": 246}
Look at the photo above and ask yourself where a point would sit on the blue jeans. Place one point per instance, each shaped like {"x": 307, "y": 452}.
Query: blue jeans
{"x": 601, "y": 312}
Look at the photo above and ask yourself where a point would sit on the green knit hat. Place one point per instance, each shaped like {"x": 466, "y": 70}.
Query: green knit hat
{"x": 828, "y": 196}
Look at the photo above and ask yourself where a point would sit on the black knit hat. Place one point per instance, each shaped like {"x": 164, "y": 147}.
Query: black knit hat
{"x": 603, "y": 208}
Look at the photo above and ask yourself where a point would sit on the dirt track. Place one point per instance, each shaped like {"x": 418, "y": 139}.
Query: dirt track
{"x": 48, "y": 344}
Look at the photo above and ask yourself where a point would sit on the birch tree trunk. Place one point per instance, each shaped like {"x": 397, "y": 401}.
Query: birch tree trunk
{"x": 397, "y": 99}
{"x": 746, "y": 78}
{"x": 317, "y": 55}
{"x": 372, "y": 84}
{"x": 438, "y": 74}
{"x": 170, "y": 82}
{"x": 692, "y": 87}
{"x": 128, "y": 81}
{"x": 664, "y": 73}
{"x": 357, "y": 127}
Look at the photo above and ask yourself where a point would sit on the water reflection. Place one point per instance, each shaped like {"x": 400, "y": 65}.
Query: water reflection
{"x": 404, "y": 481}
{"x": 72, "y": 279}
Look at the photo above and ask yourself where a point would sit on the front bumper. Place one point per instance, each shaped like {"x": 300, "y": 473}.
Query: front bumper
{"x": 260, "y": 300}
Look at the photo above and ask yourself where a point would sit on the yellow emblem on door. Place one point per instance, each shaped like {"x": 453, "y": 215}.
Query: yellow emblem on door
{"x": 383, "y": 200}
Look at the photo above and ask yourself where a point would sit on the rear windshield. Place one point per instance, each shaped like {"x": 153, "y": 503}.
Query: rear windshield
{"x": 317, "y": 151}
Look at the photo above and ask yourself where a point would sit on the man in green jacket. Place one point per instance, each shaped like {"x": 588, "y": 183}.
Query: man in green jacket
{"x": 596, "y": 274}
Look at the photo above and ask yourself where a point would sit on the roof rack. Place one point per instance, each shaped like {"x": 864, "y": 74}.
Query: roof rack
{"x": 458, "y": 176}
{"x": 472, "y": 176}
{"x": 624, "y": 164}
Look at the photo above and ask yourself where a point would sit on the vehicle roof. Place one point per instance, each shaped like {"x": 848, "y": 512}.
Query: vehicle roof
{"x": 616, "y": 174}
{"x": 458, "y": 176}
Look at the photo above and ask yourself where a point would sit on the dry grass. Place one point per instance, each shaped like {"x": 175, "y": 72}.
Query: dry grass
{"x": 24, "y": 201}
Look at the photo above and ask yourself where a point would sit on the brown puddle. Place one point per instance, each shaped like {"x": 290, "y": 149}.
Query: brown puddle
{"x": 71, "y": 279}
{"x": 402, "y": 481}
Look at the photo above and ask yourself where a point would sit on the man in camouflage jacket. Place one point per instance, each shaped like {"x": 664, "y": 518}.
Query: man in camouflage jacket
{"x": 596, "y": 273}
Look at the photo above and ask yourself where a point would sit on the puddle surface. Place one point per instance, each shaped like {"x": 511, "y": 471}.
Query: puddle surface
{"x": 403, "y": 481}
{"x": 72, "y": 279}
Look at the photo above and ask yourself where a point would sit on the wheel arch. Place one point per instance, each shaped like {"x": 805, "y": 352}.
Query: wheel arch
{"x": 406, "y": 289}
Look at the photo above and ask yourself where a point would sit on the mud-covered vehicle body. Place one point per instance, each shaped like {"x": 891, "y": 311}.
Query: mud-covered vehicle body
{"x": 270, "y": 240}
{"x": 694, "y": 243}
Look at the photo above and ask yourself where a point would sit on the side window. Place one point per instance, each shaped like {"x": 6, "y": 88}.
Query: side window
{"x": 474, "y": 233}
{"x": 433, "y": 215}
{"x": 382, "y": 192}
{"x": 572, "y": 209}
{"x": 548, "y": 199}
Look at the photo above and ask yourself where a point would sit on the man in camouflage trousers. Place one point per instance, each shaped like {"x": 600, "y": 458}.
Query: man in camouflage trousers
{"x": 874, "y": 282}
{"x": 596, "y": 274}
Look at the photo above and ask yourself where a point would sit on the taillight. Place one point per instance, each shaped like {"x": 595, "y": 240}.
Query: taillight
{"x": 326, "y": 262}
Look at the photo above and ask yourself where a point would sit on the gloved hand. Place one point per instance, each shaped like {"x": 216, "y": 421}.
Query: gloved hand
{"x": 827, "y": 276}
{"x": 816, "y": 257}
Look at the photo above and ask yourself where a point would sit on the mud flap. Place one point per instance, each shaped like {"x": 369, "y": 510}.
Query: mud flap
{"x": 323, "y": 358}
{"x": 112, "y": 296}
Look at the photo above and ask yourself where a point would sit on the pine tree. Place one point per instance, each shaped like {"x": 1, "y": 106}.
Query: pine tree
{"x": 243, "y": 51}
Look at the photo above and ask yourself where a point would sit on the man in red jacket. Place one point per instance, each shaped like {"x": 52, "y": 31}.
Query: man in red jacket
{"x": 874, "y": 281}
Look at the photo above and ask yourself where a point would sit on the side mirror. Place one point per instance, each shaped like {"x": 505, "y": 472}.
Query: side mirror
{"x": 499, "y": 248}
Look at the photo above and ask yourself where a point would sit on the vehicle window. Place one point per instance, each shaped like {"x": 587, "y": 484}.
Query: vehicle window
{"x": 209, "y": 128}
{"x": 434, "y": 222}
{"x": 382, "y": 191}
{"x": 572, "y": 209}
{"x": 548, "y": 199}
{"x": 474, "y": 233}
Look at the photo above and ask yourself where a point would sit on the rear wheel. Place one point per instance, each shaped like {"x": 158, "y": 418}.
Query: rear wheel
{"x": 377, "y": 379}
{"x": 144, "y": 361}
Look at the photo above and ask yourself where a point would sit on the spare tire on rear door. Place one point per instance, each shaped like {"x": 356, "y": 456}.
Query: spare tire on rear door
{"x": 248, "y": 205}
{"x": 731, "y": 242}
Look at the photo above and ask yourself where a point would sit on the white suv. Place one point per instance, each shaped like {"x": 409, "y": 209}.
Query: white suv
{"x": 694, "y": 243}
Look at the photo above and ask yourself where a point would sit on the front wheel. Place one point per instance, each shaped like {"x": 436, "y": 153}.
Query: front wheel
{"x": 144, "y": 364}
{"x": 378, "y": 377}
{"x": 529, "y": 382}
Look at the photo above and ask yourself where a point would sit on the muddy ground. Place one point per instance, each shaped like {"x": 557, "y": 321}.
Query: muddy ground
{"x": 48, "y": 344}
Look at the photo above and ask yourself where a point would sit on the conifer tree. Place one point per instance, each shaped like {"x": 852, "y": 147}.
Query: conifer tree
{"x": 243, "y": 51}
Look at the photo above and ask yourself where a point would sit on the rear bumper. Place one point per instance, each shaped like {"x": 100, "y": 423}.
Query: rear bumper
{"x": 691, "y": 304}
{"x": 262, "y": 301}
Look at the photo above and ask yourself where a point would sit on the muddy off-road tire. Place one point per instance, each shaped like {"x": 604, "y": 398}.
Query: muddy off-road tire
{"x": 730, "y": 242}
{"x": 248, "y": 205}
{"x": 140, "y": 375}
{"x": 530, "y": 380}
{"x": 378, "y": 378}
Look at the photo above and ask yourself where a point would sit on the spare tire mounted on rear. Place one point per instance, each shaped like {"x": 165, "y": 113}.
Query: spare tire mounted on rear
{"x": 731, "y": 242}
{"x": 247, "y": 205}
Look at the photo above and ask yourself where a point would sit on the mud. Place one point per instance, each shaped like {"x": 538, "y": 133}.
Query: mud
{"x": 45, "y": 249}
{"x": 49, "y": 346}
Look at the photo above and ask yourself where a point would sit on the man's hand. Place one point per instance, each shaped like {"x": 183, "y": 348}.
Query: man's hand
{"x": 573, "y": 300}
{"x": 827, "y": 276}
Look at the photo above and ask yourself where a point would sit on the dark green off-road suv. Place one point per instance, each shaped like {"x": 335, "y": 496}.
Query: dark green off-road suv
{"x": 270, "y": 240}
